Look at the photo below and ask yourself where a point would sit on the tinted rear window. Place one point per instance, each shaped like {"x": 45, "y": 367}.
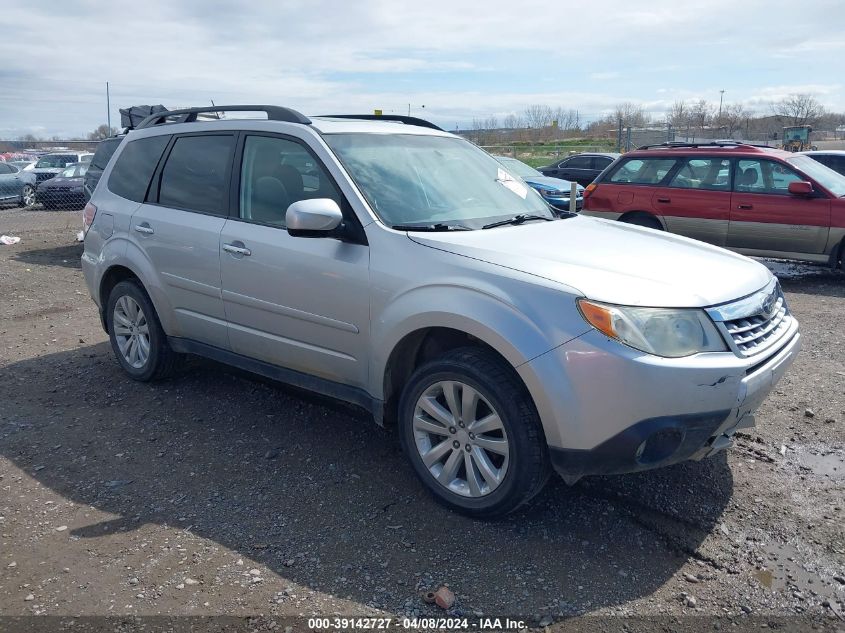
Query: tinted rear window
{"x": 196, "y": 174}
{"x": 131, "y": 175}
{"x": 642, "y": 171}
{"x": 105, "y": 150}
{"x": 579, "y": 162}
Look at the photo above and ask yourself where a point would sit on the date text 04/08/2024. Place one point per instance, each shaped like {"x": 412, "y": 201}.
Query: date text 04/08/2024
{"x": 446, "y": 624}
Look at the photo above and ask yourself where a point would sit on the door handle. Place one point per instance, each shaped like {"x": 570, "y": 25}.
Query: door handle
{"x": 664, "y": 200}
{"x": 144, "y": 228}
{"x": 745, "y": 206}
{"x": 237, "y": 249}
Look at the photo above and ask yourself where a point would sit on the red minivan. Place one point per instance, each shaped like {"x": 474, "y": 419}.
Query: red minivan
{"x": 753, "y": 200}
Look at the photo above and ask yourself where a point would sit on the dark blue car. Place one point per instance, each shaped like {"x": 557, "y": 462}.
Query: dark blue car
{"x": 16, "y": 186}
{"x": 65, "y": 190}
{"x": 554, "y": 190}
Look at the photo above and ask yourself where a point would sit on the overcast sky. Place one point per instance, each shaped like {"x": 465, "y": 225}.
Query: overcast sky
{"x": 458, "y": 59}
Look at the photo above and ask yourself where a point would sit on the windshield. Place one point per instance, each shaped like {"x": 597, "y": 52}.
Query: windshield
{"x": 831, "y": 180}
{"x": 58, "y": 160}
{"x": 422, "y": 180}
{"x": 518, "y": 167}
{"x": 74, "y": 171}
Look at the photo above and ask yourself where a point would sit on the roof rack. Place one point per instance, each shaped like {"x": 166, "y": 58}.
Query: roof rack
{"x": 674, "y": 144}
{"x": 407, "y": 120}
{"x": 189, "y": 115}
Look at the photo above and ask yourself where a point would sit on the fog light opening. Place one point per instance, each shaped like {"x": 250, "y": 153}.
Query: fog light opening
{"x": 659, "y": 446}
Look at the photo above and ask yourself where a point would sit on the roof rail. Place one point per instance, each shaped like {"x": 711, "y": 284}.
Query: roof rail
{"x": 674, "y": 144}
{"x": 407, "y": 120}
{"x": 189, "y": 115}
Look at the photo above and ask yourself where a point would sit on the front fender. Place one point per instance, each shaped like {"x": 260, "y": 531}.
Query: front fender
{"x": 484, "y": 312}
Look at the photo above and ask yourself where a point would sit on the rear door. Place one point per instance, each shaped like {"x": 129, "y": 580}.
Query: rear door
{"x": 179, "y": 225}
{"x": 696, "y": 202}
{"x": 631, "y": 185}
{"x": 577, "y": 168}
{"x": 296, "y": 302}
{"x": 766, "y": 217}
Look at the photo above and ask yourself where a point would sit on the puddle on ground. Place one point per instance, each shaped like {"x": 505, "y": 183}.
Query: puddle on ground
{"x": 784, "y": 572}
{"x": 830, "y": 465}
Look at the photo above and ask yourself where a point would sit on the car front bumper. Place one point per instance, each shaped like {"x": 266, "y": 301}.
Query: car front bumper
{"x": 607, "y": 408}
{"x": 562, "y": 204}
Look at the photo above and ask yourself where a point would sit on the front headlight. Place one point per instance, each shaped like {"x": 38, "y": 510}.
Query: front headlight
{"x": 666, "y": 332}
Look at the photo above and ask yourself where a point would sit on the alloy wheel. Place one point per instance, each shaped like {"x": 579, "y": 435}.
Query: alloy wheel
{"x": 461, "y": 439}
{"x": 28, "y": 196}
{"x": 131, "y": 331}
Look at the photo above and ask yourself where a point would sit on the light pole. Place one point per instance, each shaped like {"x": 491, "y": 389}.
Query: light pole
{"x": 721, "y": 96}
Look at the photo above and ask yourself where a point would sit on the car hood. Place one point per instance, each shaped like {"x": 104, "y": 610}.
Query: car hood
{"x": 612, "y": 261}
{"x": 547, "y": 182}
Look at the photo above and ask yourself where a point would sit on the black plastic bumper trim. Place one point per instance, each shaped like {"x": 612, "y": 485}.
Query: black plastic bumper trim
{"x": 628, "y": 451}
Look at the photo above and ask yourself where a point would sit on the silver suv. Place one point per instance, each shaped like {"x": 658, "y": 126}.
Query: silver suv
{"x": 396, "y": 266}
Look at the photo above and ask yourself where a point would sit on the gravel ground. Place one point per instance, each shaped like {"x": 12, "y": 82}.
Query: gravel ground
{"x": 221, "y": 493}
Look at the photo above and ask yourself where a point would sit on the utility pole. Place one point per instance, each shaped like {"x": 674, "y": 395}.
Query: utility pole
{"x": 108, "y": 108}
{"x": 721, "y": 96}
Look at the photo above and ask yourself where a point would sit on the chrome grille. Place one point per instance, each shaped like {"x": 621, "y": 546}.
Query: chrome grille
{"x": 755, "y": 333}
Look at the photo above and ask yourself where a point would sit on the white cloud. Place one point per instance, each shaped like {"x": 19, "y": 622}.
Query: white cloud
{"x": 461, "y": 59}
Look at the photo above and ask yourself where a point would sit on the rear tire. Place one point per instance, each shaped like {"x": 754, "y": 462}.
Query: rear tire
{"x": 642, "y": 219}
{"x": 137, "y": 340}
{"x": 472, "y": 434}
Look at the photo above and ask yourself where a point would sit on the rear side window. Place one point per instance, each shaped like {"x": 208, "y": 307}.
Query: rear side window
{"x": 643, "y": 171}
{"x": 703, "y": 173}
{"x": 105, "y": 150}
{"x": 6, "y": 169}
{"x": 131, "y": 175}
{"x": 600, "y": 162}
{"x": 196, "y": 174}
{"x": 578, "y": 162}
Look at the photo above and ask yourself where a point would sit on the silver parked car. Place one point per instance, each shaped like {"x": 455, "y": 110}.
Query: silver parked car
{"x": 399, "y": 267}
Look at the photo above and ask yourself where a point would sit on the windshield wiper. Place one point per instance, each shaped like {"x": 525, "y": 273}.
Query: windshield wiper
{"x": 517, "y": 219}
{"x": 439, "y": 226}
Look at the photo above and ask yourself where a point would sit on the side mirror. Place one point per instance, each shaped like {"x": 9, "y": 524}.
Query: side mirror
{"x": 800, "y": 188}
{"x": 318, "y": 217}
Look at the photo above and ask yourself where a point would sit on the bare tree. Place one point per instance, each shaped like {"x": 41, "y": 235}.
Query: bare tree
{"x": 538, "y": 116}
{"x": 799, "y": 109}
{"x": 701, "y": 113}
{"x": 512, "y": 122}
{"x": 103, "y": 131}
{"x": 733, "y": 119}
{"x": 679, "y": 114}
{"x": 631, "y": 114}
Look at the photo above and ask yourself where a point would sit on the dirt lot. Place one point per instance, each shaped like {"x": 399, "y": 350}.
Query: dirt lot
{"x": 221, "y": 493}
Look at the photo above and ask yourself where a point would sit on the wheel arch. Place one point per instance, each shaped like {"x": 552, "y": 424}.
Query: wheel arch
{"x": 629, "y": 216}
{"x": 134, "y": 264}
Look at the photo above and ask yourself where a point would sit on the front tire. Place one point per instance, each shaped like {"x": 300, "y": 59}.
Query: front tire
{"x": 137, "y": 340}
{"x": 28, "y": 196}
{"x": 472, "y": 434}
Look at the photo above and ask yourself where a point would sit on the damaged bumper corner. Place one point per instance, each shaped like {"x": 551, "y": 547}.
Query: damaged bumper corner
{"x": 615, "y": 410}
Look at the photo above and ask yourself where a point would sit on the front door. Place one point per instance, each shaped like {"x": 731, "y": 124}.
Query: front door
{"x": 766, "y": 217}
{"x": 300, "y": 303}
